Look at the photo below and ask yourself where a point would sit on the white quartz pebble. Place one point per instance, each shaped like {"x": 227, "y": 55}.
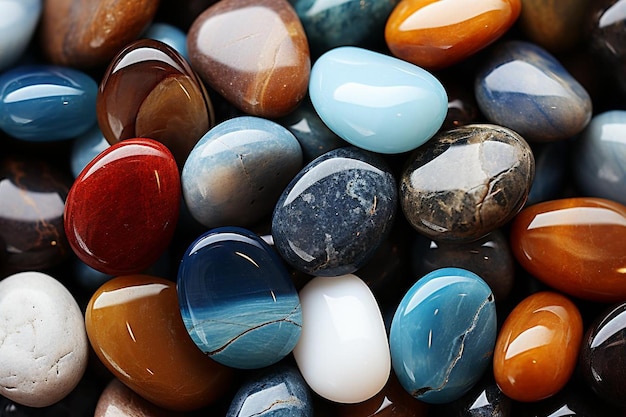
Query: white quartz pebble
{"x": 343, "y": 352}
{"x": 43, "y": 342}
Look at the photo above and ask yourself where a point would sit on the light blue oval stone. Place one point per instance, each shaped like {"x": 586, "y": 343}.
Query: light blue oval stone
{"x": 18, "y": 20}
{"x": 375, "y": 101}
{"x": 169, "y": 35}
{"x": 443, "y": 334}
{"x": 46, "y": 102}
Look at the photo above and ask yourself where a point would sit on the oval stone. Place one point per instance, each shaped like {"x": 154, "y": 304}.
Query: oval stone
{"x": 334, "y": 214}
{"x": 237, "y": 299}
{"x": 523, "y": 87}
{"x": 236, "y": 172}
{"x": 43, "y": 344}
{"x": 19, "y": 20}
{"x": 118, "y": 399}
{"x": 575, "y": 245}
{"x": 451, "y": 201}
{"x": 438, "y": 34}
{"x": 254, "y": 53}
{"x": 122, "y": 210}
{"x": 343, "y": 353}
{"x": 149, "y": 90}
{"x": 134, "y": 326}
{"x": 375, "y": 101}
{"x": 537, "y": 347}
{"x": 46, "y": 102}
{"x": 442, "y": 335}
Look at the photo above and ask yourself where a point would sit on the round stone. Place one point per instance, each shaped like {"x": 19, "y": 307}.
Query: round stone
{"x": 43, "y": 344}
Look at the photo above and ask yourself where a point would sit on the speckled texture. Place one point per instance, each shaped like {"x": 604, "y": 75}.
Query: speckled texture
{"x": 445, "y": 199}
{"x": 334, "y": 214}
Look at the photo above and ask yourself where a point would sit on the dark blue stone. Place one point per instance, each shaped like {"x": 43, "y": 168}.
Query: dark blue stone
{"x": 334, "y": 214}
{"x": 46, "y": 102}
{"x": 237, "y": 299}
{"x": 277, "y": 391}
{"x": 484, "y": 400}
{"x": 550, "y": 168}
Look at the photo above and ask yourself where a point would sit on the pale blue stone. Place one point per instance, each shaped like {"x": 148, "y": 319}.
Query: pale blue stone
{"x": 86, "y": 147}
{"x": 375, "y": 101}
{"x": 443, "y": 334}
{"x": 18, "y": 20}
{"x": 169, "y": 35}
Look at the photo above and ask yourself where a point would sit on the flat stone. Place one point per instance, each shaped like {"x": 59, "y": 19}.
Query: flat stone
{"x": 19, "y": 21}
{"x": 44, "y": 348}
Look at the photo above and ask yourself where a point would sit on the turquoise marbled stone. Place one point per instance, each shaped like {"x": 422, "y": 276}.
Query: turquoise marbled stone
{"x": 18, "y": 20}
{"x": 46, "y": 102}
{"x": 375, "y": 101}
{"x": 237, "y": 299}
{"x": 169, "y": 35}
{"x": 443, "y": 334}
{"x": 86, "y": 147}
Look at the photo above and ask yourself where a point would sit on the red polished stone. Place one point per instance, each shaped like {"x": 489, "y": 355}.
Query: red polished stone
{"x": 438, "y": 33}
{"x": 575, "y": 245}
{"x": 122, "y": 210}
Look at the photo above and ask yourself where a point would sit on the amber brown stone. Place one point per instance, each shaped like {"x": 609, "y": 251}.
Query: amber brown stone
{"x": 537, "y": 348}
{"x": 435, "y": 34}
{"x": 119, "y": 400}
{"x": 88, "y": 33}
{"x": 254, "y": 53}
{"x": 134, "y": 325}
{"x": 575, "y": 245}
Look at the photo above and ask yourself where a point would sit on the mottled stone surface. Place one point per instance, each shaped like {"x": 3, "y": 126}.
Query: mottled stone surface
{"x": 448, "y": 200}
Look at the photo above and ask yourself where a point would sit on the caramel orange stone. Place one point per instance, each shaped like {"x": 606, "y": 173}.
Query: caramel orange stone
{"x": 537, "y": 348}
{"x": 435, "y": 34}
{"x": 134, "y": 326}
{"x": 575, "y": 245}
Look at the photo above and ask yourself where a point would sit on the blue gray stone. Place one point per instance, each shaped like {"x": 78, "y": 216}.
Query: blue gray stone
{"x": 19, "y": 20}
{"x": 86, "y": 147}
{"x": 550, "y": 171}
{"x": 169, "y": 35}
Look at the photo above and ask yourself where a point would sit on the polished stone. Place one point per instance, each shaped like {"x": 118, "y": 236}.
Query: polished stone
{"x": 343, "y": 353}
{"x": 134, "y": 326}
{"x": 335, "y": 213}
{"x": 121, "y": 211}
{"x": 575, "y": 245}
{"x": 599, "y": 157}
{"x": 237, "y": 299}
{"x": 46, "y": 102}
{"x": 149, "y": 90}
{"x": 19, "y": 21}
{"x": 88, "y": 33}
{"x": 438, "y": 34}
{"x": 523, "y": 87}
{"x": 278, "y": 391}
{"x": 236, "y": 172}
{"x": 254, "y": 53}
{"x": 449, "y": 201}
{"x": 484, "y": 400}
{"x": 118, "y": 400}
{"x": 375, "y": 101}
{"x": 44, "y": 348}
{"x": 86, "y": 147}
{"x": 537, "y": 347}
{"x": 169, "y": 35}
{"x": 442, "y": 335}
{"x": 551, "y": 171}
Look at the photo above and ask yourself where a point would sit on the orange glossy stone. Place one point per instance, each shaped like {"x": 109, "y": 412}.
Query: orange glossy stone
{"x": 575, "y": 245}
{"x": 537, "y": 347}
{"x": 134, "y": 326}
{"x": 435, "y": 34}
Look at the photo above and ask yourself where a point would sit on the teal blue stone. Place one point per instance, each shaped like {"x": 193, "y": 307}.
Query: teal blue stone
{"x": 237, "y": 299}
{"x": 17, "y": 26}
{"x": 46, "y": 102}
{"x": 375, "y": 101}
{"x": 169, "y": 35}
{"x": 443, "y": 334}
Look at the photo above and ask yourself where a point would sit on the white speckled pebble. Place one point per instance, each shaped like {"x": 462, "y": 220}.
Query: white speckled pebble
{"x": 43, "y": 343}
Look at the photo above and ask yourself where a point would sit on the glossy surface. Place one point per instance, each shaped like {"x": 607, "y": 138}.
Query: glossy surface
{"x": 537, "y": 347}
{"x": 254, "y": 53}
{"x": 438, "y": 33}
{"x": 344, "y": 330}
{"x": 74, "y": 33}
{"x": 46, "y": 102}
{"x": 119, "y": 400}
{"x": 86, "y": 147}
{"x": 236, "y": 172}
{"x": 19, "y": 20}
{"x": 375, "y": 101}
{"x": 149, "y": 90}
{"x": 575, "y": 245}
{"x": 523, "y": 87}
{"x": 122, "y": 209}
{"x": 237, "y": 299}
{"x": 445, "y": 200}
{"x": 484, "y": 400}
{"x": 442, "y": 335}
{"x": 600, "y": 157}
{"x": 335, "y": 213}
{"x": 134, "y": 326}
{"x": 170, "y": 35}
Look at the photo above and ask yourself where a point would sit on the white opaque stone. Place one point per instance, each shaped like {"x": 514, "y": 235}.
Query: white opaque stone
{"x": 43, "y": 342}
{"x": 343, "y": 351}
